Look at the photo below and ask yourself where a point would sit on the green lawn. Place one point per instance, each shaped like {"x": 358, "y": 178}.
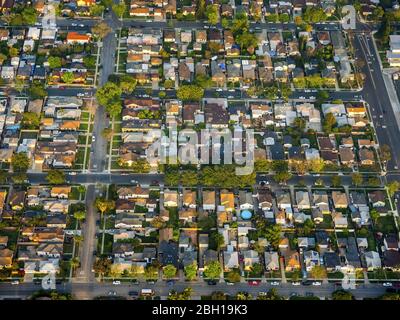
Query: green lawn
{"x": 12, "y": 237}
{"x": 385, "y": 225}
{"x": 82, "y": 139}
{"x": 83, "y": 126}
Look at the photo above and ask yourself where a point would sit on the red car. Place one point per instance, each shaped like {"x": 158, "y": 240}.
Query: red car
{"x": 254, "y": 283}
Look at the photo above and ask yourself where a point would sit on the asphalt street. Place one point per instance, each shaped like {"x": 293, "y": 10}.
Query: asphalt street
{"x": 94, "y": 289}
{"x": 375, "y": 93}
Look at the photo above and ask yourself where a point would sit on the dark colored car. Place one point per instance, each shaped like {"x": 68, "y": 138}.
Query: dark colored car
{"x": 307, "y": 283}
{"x": 133, "y": 293}
{"x": 211, "y": 282}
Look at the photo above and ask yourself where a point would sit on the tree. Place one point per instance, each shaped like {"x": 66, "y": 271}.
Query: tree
{"x": 20, "y": 162}
{"x": 96, "y": 10}
{"x": 356, "y": 179}
{"x": 13, "y": 52}
{"x": 385, "y": 153}
{"x": 336, "y": 181}
{"x": 308, "y": 227}
{"x": 212, "y": 269}
{"x": 101, "y": 30}
{"x": 30, "y": 121}
{"x": 219, "y": 240}
{"x": 184, "y": 295}
{"x": 110, "y": 96}
{"x": 299, "y": 124}
{"x": 107, "y": 133}
{"x": 243, "y": 296}
{"x": 89, "y": 62}
{"x": 316, "y": 165}
{"x": 212, "y": 14}
{"x": 127, "y": 84}
{"x": 158, "y": 222}
{"x": 234, "y": 276}
{"x": 203, "y": 81}
{"x": 55, "y": 62}
{"x": 151, "y": 272}
{"x": 201, "y": 9}
{"x": 300, "y": 166}
{"x": 29, "y": 15}
{"x": 318, "y": 272}
{"x": 374, "y": 215}
{"x": 329, "y": 122}
{"x": 225, "y": 23}
{"x": 240, "y": 23}
{"x": 282, "y": 177}
{"x": 190, "y": 93}
{"x": 272, "y": 294}
{"x": 55, "y": 177}
{"x": 273, "y": 234}
{"x": 68, "y": 77}
{"x": 322, "y": 95}
{"x": 169, "y": 271}
{"x": 342, "y": 295}
{"x": 104, "y": 205}
{"x": 102, "y": 266}
{"x": 189, "y": 178}
{"x": 191, "y": 271}
{"x": 119, "y": 9}
{"x": 19, "y": 178}
{"x": 247, "y": 41}
{"x": 257, "y": 269}
{"x": 80, "y": 215}
{"x": 37, "y": 91}
{"x": 393, "y": 187}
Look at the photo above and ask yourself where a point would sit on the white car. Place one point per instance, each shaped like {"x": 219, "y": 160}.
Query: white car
{"x": 72, "y": 173}
{"x": 296, "y": 283}
{"x": 15, "y": 282}
{"x": 74, "y": 24}
{"x": 219, "y": 90}
{"x": 116, "y": 282}
{"x": 316, "y": 283}
{"x": 387, "y": 284}
{"x": 82, "y": 25}
{"x": 80, "y": 94}
{"x": 275, "y": 283}
{"x": 312, "y": 98}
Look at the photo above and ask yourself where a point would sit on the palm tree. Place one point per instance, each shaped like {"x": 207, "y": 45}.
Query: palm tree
{"x": 75, "y": 263}
{"x": 78, "y": 239}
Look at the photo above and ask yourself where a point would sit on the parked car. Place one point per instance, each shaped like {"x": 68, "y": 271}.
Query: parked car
{"x": 254, "y": 283}
{"x": 212, "y": 282}
{"x": 133, "y": 293}
{"x": 296, "y": 283}
{"x": 316, "y": 283}
{"x": 387, "y": 284}
{"x": 112, "y": 293}
{"x": 275, "y": 283}
{"x": 116, "y": 282}
{"x": 15, "y": 282}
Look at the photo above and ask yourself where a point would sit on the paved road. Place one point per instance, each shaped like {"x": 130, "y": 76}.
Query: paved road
{"x": 91, "y": 290}
{"x": 101, "y": 178}
{"x": 88, "y": 23}
{"x": 375, "y": 93}
{"x": 84, "y": 273}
